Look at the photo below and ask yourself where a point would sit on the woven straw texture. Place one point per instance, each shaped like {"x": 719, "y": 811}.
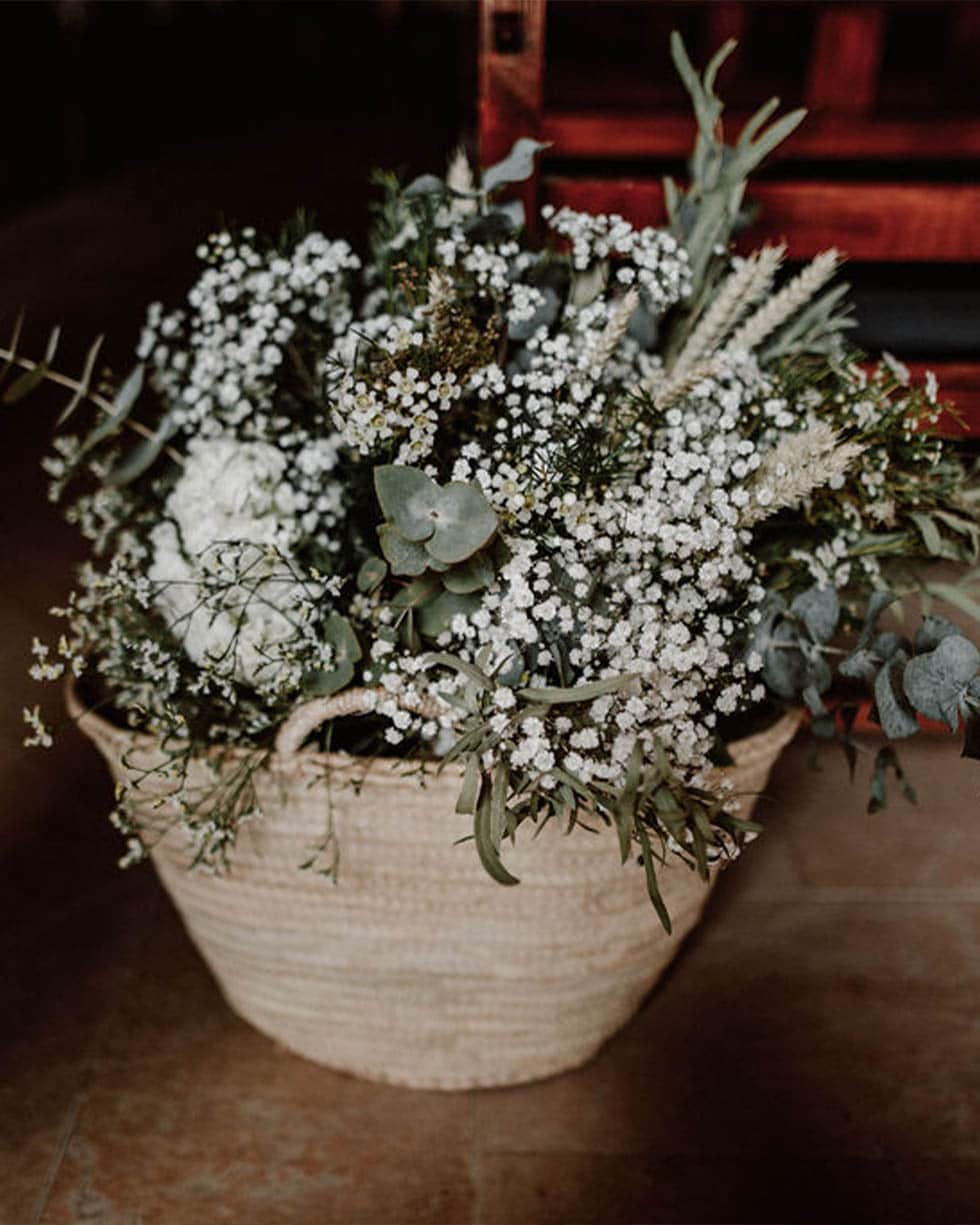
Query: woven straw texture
{"x": 416, "y": 968}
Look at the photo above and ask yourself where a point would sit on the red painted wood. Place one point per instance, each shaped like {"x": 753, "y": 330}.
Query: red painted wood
{"x": 845, "y": 58}
{"x": 724, "y": 20}
{"x": 959, "y": 386}
{"x": 869, "y": 221}
{"x": 511, "y": 82}
{"x": 638, "y": 134}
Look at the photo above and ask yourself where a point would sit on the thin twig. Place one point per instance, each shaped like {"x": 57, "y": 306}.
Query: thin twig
{"x": 100, "y": 402}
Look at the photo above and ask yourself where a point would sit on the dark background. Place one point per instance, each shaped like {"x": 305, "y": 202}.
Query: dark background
{"x": 815, "y": 1053}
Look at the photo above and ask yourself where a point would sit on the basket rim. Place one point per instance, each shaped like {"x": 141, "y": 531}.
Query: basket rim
{"x": 747, "y": 748}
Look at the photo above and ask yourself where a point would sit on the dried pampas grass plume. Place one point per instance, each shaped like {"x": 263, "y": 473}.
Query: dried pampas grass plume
{"x": 615, "y": 329}
{"x": 794, "y": 468}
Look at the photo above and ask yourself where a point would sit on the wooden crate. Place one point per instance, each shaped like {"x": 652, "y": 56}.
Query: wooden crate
{"x": 885, "y": 166}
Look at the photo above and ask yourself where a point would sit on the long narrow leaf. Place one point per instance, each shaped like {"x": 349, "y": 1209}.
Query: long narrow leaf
{"x": 488, "y": 852}
{"x": 24, "y": 384}
{"x": 651, "y": 874}
{"x": 144, "y": 455}
{"x": 580, "y": 693}
{"x": 121, "y": 407}
{"x": 12, "y": 348}
{"x": 84, "y": 383}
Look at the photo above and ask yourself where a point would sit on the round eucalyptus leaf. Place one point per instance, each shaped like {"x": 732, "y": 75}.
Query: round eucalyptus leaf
{"x": 371, "y": 574}
{"x": 436, "y": 616}
{"x": 407, "y": 497}
{"x": 895, "y": 714}
{"x": 471, "y": 575}
{"x": 819, "y": 610}
{"x": 347, "y": 651}
{"x": 937, "y": 682}
{"x": 784, "y": 668}
{"x": 463, "y": 522}
{"x": 404, "y": 556}
{"x": 932, "y": 631}
{"x": 341, "y": 637}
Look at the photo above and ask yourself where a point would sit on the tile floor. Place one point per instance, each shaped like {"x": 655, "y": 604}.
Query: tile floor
{"x": 814, "y": 1055}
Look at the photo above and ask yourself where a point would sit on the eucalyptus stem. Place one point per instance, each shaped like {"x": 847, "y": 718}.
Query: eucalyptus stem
{"x": 100, "y": 401}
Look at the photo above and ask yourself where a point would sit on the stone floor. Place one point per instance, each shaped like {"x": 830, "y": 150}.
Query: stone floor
{"x": 814, "y": 1055}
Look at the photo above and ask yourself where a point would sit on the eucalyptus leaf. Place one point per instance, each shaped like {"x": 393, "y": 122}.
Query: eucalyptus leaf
{"x": 895, "y": 714}
{"x": 122, "y": 406}
{"x": 144, "y": 455}
{"x": 624, "y": 811}
{"x": 587, "y": 285}
{"x": 24, "y": 384}
{"x": 84, "y": 382}
{"x": 954, "y": 594}
{"x": 813, "y": 701}
{"x": 517, "y": 166}
{"x": 473, "y": 574}
{"x": 499, "y": 789}
{"x": 338, "y": 633}
{"x": 643, "y": 328}
{"x": 464, "y": 522}
{"x": 462, "y": 666}
{"x": 937, "y": 682}
{"x": 888, "y": 643}
{"x": 784, "y": 667}
{"x": 861, "y": 664}
{"x": 878, "y": 601}
{"x": 407, "y": 497}
{"x": 886, "y": 758}
{"x": 405, "y": 557}
{"x": 932, "y": 631}
{"x": 371, "y": 574}
{"x": 436, "y": 616}
{"x": 472, "y": 781}
{"x": 417, "y": 592}
{"x": 819, "y": 609}
{"x": 932, "y": 538}
{"x": 454, "y": 521}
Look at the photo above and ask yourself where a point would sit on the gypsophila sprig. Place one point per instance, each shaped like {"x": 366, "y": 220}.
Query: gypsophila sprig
{"x": 567, "y": 512}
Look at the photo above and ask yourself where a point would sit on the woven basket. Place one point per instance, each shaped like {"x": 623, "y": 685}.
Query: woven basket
{"x": 416, "y": 968}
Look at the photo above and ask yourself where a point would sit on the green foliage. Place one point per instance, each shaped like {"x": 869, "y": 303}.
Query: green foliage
{"x": 705, "y": 216}
{"x": 452, "y": 522}
{"x": 339, "y": 633}
{"x": 939, "y": 682}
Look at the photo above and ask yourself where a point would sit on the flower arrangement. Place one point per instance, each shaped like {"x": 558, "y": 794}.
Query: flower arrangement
{"x": 569, "y": 512}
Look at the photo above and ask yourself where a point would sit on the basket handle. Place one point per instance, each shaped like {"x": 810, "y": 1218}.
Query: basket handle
{"x": 305, "y": 719}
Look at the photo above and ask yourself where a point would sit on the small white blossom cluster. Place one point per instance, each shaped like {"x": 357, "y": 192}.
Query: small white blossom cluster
{"x": 217, "y": 363}
{"x": 574, "y": 573}
{"x": 650, "y": 259}
{"x": 634, "y": 581}
{"x": 405, "y": 405}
